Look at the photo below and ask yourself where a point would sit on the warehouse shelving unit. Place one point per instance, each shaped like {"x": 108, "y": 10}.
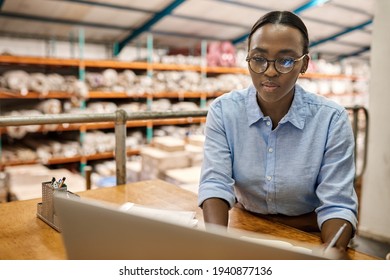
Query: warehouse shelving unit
{"x": 26, "y": 61}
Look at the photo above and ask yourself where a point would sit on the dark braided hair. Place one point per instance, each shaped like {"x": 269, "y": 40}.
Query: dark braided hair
{"x": 285, "y": 18}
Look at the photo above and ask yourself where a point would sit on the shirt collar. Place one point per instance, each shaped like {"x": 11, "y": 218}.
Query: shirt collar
{"x": 296, "y": 114}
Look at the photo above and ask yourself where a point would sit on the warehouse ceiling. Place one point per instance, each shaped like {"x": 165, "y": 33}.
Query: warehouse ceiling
{"x": 337, "y": 28}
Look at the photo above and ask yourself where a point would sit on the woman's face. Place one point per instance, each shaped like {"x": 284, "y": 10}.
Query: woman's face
{"x": 273, "y": 41}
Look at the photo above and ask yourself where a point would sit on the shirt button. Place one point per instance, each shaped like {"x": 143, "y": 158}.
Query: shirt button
{"x": 269, "y": 178}
{"x": 270, "y": 150}
{"x": 268, "y": 123}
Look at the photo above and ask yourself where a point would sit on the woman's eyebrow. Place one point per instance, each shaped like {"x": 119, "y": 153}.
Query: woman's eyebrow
{"x": 257, "y": 49}
{"x": 282, "y": 51}
{"x": 287, "y": 51}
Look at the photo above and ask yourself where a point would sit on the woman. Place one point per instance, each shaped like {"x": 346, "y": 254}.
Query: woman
{"x": 275, "y": 149}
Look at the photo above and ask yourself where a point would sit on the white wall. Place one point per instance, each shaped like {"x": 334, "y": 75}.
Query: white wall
{"x": 375, "y": 202}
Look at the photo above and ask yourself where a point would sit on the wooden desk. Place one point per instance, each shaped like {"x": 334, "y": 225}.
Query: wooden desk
{"x": 24, "y": 236}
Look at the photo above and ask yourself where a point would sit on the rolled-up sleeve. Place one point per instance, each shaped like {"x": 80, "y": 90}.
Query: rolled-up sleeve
{"x": 335, "y": 188}
{"x": 216, "y": 175}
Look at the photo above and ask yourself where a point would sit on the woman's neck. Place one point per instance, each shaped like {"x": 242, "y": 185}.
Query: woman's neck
{"x": 275, "y": 110}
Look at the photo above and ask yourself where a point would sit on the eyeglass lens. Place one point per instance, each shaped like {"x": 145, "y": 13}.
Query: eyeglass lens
{"x": 282, "y": 65}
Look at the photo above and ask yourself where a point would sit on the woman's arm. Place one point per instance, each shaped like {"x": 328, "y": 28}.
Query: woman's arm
{"x": 215, "y": 212}
{"x": 329, "y": 229}
{"x": 338, "y": 199}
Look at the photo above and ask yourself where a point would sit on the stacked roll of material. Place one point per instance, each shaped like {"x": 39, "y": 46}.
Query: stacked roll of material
{"x": 221, "y": 54}
{"x": 16, "y": 80}
{"x": 76, "y": 87}
{"x": 49, "y": 149}
{"x": 101, "y": 107}
{"x": 21, "y": 82}
{"x": 39, "y": 82}
{"x": 98, "y": 142}
{"x": 17, "y": 153}
{"x": 18, "y": 132}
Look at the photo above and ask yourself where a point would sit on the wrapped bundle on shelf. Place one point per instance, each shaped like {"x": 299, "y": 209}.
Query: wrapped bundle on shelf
{"x": 234, "y": 81}
{"x": 18, "y": 132}
{"x": 76, "y": 87}
{"x": 98, "y": 142}
{"x": 324, "y": 67}
{"x": 177, "y": 81}
{"x": 56, "y": 82}
{"x": 241, "y": 55}
{"x": 181, "y": 59}
{"x": 323, "y": 87}
{"x": 213, "y": 54}
{"x": 211, "y": 85}
{"x": 17, "y": 153}
{"x": 38, "y": 82}
{"x": 110, "y": 77}
{"x": 49, "y": 149}
{"x": 341, "y": 86}
{"x": 221, "y": 54}
{"x": 158, "y": 86}
{"x": 50, "y": 106}
{"x": 171, "y": 130}
{"x": 309, "y": 85}
{"x": 102, "y": 107}
{"x": 94, "y": 80}
{"x": 185, "y": 106}
{"x": 31, "y": 128}
{"x": 135, "y": 140}
{"x": 69, "y": 149}
{"x": 144, "y": 85}
{"x": 127, "y": 79}
{"x": 189, "y": 81}
{"x": 17, "y": 80}
{"x": 228, "y": 54}
{"x": 161, "y": 105}
{"x": 131, "y": 107}
{"x": 361, "y": 86}
{"x": 225, "y": 83}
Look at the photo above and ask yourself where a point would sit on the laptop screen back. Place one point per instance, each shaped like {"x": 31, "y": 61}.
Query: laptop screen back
{"x": 94, "y": 230}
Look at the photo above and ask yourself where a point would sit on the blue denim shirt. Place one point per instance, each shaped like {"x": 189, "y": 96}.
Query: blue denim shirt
{"x": 305, "y": 164}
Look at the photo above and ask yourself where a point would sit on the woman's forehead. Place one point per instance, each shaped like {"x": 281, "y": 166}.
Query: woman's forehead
{"x": 271, "y": 36}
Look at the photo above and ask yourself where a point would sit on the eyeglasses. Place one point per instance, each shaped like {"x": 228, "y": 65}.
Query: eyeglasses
{"x": 283, "y": 65}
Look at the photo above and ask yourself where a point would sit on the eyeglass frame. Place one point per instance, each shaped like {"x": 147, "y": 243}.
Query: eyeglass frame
{"x": 248, "y": 59}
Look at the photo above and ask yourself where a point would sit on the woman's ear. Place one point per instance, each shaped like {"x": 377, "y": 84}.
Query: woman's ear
{"x": 305, "y": 64}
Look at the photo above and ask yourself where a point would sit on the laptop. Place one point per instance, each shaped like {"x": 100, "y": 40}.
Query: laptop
{"x": 93, "y": 230}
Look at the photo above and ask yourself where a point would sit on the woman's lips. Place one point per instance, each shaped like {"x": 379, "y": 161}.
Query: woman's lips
{"x": 269, "y": 86}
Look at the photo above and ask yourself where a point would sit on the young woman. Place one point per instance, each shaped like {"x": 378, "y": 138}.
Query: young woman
{"x": 275, "y": 149}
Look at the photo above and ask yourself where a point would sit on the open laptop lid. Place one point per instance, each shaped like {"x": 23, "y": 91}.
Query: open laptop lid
{"x": 94, "y": 230}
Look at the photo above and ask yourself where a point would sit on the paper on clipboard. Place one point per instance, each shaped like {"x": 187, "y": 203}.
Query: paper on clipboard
{"x": 279, "y": 243}
{"x": 186, "y": 218}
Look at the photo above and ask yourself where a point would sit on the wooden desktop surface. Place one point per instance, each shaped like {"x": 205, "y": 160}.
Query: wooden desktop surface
{"x": 24, "y": 236}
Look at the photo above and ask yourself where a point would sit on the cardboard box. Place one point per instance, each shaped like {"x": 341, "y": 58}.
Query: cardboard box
{"x": 168, "y": 143}
{"x": 156, "y": 161}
